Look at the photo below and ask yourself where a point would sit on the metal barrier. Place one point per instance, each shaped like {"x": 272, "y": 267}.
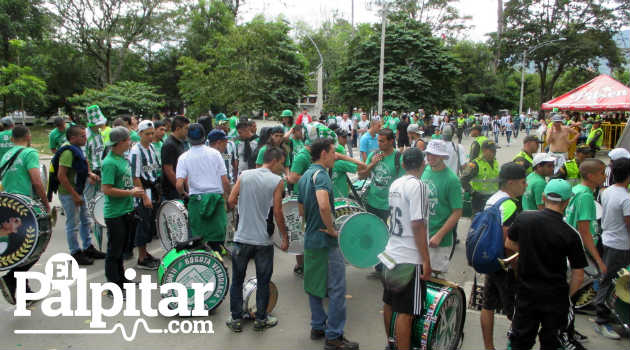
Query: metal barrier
{"x": 612, "y": 133}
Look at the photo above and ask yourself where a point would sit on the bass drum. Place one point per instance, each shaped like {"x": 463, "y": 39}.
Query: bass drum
{"x": 295, "y": 226}
{"x": 172, "y": 223}
{"x": 195, "y": 266}
{"x": 618, "y": 299}
{"x": 585, "y": 295}
{"x": 346, "y": 206}
{"x": 441, "y": 325}
{"x": 362, "y": 237}
{"x": 96, "y": 208}
{"x": 249, "y": 297}
{"x": 25, "y": 230}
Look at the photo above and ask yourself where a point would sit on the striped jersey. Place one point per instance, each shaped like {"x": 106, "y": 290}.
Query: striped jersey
{"x": 145, "y": 164}
{"x": 94, "y": 149}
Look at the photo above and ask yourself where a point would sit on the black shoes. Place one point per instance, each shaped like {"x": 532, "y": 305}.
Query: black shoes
{"x": 341, "y": 343}
{"x": 93, "y": 253}
{"x": 317, "y": 334}
{"x": 82, "y": 258}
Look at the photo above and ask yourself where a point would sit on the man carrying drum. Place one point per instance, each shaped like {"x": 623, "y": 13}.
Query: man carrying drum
{"x": 20, "y": 177}
{"x": 202, "y": 178}
{"x": 94, "y": 148}
{"x": 324, "y": 267}
{"x": 407, "y": 248}
{"x": 117, "y": 185}
{"x": 259, "y": 190}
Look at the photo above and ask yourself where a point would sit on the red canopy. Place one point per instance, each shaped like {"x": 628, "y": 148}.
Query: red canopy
{"x": 603, "y": 93}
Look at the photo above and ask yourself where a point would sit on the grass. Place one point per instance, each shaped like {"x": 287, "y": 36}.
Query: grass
{"x": 39, "y": 138}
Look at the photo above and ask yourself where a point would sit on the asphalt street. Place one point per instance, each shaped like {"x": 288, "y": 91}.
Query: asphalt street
{"x": 364, "y": 305}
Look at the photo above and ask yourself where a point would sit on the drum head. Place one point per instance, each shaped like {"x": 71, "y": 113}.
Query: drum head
{"x": 98, "y": 210}
{"x": 346, "y": 206}
{"x": 249, "y": 297}
{"x": 188, "y": 267}
{"x": 362, "y": 237}
{"x": 19, "y": 229}
{"x": 294, "y": 225}
{"x": 172, "y": 223}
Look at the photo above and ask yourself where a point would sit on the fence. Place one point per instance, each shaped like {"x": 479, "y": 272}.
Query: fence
{"x": 612, "y": 133}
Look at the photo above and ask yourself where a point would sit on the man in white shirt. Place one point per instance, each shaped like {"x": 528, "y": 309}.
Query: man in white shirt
{"x": 485, "y": 124}
{"x": 406, "y": 257}
{"x": 203, "y": 171}
{"x": 457, "y": 154}
{"x": 346, "y": 124}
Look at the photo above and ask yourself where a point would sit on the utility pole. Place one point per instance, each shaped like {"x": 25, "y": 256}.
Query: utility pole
{"x": 352, "y": 19}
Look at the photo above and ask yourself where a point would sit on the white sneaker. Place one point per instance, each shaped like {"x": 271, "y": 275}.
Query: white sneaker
{"x": 607, "y": 331}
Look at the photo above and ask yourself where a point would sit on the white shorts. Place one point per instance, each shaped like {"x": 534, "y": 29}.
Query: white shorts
{"x": 439, "y": 258}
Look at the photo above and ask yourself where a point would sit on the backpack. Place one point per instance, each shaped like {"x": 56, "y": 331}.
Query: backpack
{"x": 484, "y": 242}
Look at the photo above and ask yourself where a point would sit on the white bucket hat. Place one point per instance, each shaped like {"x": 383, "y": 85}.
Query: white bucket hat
{"x": 437, "y": 148}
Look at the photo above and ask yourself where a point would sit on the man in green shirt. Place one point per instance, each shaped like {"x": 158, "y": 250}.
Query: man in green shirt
{"x": 233, "y": 123}
{"x": 57, "y": 136}
{"x": 384, "y": 166}
{"x": 275, "y": 140}
{"x": 445, "y": 205}
{"x": 581, "y": 210}
{"x": 6, "y": 125}
{"x": 543, "y": 166}
{"x": 21, "y": 177}
{"x": 117, "y": 185}
{"x": 342, "y": 167}
{"x": 73, "y": 172}
{"x": 131, "y": 123}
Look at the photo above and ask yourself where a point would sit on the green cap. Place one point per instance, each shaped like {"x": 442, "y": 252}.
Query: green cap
{"x": 220, "y": 117}
{"x": 286, "y": 113}
{"x": 558, "y": 190}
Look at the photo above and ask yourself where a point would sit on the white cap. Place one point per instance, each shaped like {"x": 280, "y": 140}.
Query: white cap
{"x": 542, "y": 158}
{"x": 437, "y": 148}
{"x": 618, "y": 153}
{"x": 145, "y": 124}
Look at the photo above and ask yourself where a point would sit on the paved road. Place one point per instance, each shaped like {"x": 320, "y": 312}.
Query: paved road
{"x": 364, "y": 311}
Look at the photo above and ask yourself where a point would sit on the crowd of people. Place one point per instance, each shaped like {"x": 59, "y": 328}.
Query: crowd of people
{"x": 416, "y": 178}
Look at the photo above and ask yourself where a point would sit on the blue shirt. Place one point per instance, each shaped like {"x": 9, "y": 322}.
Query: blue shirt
{"x": 314, "y": 237}
{"x": 368, "y": 143}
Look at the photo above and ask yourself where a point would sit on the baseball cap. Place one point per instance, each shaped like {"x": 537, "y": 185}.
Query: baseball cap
{"x": 216, "y": 135}
{"x": 531, "y": 138}
{"x": 196, "y": 134}
{"x": 118, "y": 134}
{"x": 556, "y": 118}
{"x": 488, "y": 144}
{"x": 542, "y": 158}
{"x": 145, "y": 124}
{"x": 414, "y": 128}
{"x": 558, "y": 190}
{"x": 618, "y": 153}
{"x": 286, "y": 113}
{"x": 512, "y": 171}
{"x": 7, "y": 121}
{"x": 220, "y": 117}
{"x": 437, "y": 148}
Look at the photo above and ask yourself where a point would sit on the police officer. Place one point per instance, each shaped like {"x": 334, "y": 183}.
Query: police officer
{"x": 478, "y": 139}
{"x": 595, "y": 136}
{"x": 570, "y": 171}
{"x": 524, "y": 157}
{"x": 481, "y": 176}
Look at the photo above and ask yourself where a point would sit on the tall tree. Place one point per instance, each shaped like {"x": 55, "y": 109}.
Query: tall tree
{"x": 587, "y": 27}
{"x": 442, "y": 16}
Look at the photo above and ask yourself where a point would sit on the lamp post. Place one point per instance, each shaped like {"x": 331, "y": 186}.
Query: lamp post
{"x": 525, "y": 52}
{"x": 384, "y": 4}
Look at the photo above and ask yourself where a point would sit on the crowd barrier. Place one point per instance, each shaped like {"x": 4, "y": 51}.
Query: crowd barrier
{"x": 612, "y": 133}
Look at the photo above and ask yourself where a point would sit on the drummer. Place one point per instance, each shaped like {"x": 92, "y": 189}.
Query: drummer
{"x": 21, "y": 177}
{"x": 342, "y": 167}
{"x": 258, "y": 189}
{"x": 407, "y": 245}
{"x": 324, "y": 267}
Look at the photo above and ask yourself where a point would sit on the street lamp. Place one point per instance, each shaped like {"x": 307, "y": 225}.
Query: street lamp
{"x": 384, "y": 4}
{"x": 525, "y": 52}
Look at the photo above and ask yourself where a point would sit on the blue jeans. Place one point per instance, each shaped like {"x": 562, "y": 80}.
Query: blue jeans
{"x": 77, "y": 220}
{"x": 508, "y": 134}
{"x": 263, "y": 259}
{"x": 336, "y": 298}
{"x": 496, "y": 137}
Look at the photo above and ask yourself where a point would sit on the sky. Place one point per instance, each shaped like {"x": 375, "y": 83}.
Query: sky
{"x": 314, "y": 12}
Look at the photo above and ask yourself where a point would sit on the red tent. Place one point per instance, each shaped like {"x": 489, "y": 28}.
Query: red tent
{"x": 603, "y": 93}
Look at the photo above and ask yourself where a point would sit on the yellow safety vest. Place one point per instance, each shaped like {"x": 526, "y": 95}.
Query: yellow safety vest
{"x": 487, "y": 180}
{"x": 460, "y": 122}
{"x": 591, "y": 135}
{"x": 480, "y": 140}
{"x": 528, "y": 158}
{"x": 573, "y": 172}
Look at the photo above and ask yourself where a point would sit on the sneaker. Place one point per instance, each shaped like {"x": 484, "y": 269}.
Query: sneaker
{"x": 341, "y": 343}
{"x": 82, "y": 258}
{"x": 298, "y": 270}
{"x": 607, "y": 331}
{"x": 108, "y": 293}
{"x": 261, "y": 325}
{"x": 579, "y": 337}
{"x": 317, "y": 334}
{"x": 8, "y": 290}
{"x": 148, "y": 264}
{"x": 93, "y": 253}
{"x": 234, "y": 325}
{"x": 149, "y": 256}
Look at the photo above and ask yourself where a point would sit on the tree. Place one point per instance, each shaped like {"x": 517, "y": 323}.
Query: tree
{"x": 441, "y": 15}
{"x": 587, "y": 26}
{"x": 19, "y": 83}
{"x": 20, "y": 19}
{"x": 419, "y": 72}
{"x": 122, "y": 97}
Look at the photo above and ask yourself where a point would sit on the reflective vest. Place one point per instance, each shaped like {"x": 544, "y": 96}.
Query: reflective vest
{"x": 523, "y": 154}
{"x": 480, "y": 140}
{"x": 591, "y": 135}
{"x": 460, "y": 122}
{"x": 573, "y": 172}
{"x": 487, "y": 180}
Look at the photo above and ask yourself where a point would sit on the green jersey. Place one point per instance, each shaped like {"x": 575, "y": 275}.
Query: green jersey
{"x": 392, "y": 124}
{"x": 532, "y": 197}
{"x": 261, "y": 154}
{"x": 581, "y": 208}
{"x": 339, "y": 178}
{"x": 16, "y": 178}
{"x": 133, "y": 135}
{"x": 445, "y": 195}
{"x": 56, "y": 138}
{"x": 5, "y": 141}
{"x": 383, "y": 174}
{"x": 314, "y": 235}
{"x": 301, "y": 162}
{"x": 116, "y": 172}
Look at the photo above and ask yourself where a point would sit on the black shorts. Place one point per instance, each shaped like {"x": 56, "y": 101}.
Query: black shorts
{"x": 409, "y": 299}
{"x": 499, "y": 290}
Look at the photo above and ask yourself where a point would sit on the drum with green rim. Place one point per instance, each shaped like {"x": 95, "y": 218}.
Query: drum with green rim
{"x": 346, "y": 206}
{"x": 295, "y": 226}
{"x": 441, "y": 325}
{"x": 362, "y": 237}
{"x": 618, "y": 298}
{"x": 195, "y": 266}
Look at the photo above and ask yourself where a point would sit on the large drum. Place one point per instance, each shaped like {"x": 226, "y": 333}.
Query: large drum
{"x": 25, "y": 230}
{"x": 585, "y": 295}
{"x": 441, "y": 325}
{"x": 249, "y": 297}
{"x": 195, "y": 266}
{"x": 346, "y": 206}
{"x": 172, "y": 224}
{"x": 294, "y": 224}
{"x": 96, "y": 207}
{"x": 618, "y": 299}
{"x": 362, "y": 237}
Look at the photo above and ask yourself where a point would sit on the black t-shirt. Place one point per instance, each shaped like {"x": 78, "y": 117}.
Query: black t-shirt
{"x": 171, "y": 151}
{"x": 545, "y": 242}
{"x": 403, "y": 137}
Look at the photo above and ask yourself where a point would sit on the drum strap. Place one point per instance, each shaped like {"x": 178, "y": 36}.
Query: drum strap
{"x": 354, "y": 191}
{"x": 10, "y": 162}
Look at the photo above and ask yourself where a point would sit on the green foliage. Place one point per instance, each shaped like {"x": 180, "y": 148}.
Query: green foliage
{"x": 21, "y": 19}
{"x": 19, "y": 83}
{"x": 441, "y": 15}
{"x": 122, "y": 97}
